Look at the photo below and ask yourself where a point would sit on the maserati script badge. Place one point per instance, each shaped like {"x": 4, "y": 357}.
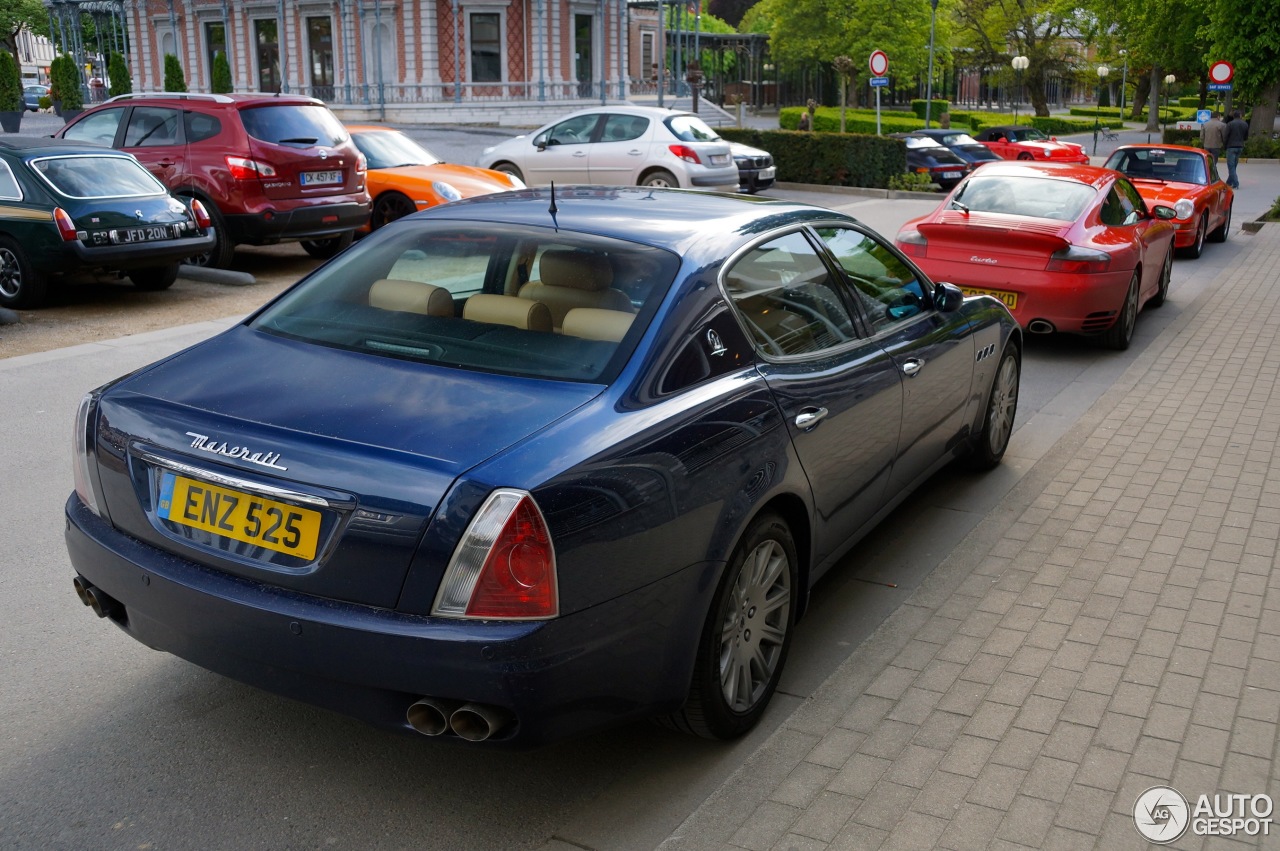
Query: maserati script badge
{"x": 263, "y": 459}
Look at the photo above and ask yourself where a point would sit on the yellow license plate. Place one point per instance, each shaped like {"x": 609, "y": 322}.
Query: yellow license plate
{"x": 1009, "y": 299}
{"x": 243, "y": 517}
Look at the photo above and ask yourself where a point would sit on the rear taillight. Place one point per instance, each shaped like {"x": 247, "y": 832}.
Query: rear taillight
{"x": 362, "y": 164}
{"x": 685, "y": 153}
{"x": 1073, "y": 258}
{"x": 243, "y": 168}
{"x": 912, "y": 243}
{"x": 66, "y": 227}
{"x": 505, "y": 566}
{"x": 200, "y": 213}
{"x": 80, "y": 454}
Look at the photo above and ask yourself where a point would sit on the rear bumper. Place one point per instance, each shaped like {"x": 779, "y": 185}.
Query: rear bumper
{"x": 623, "y": 659}
{"x": 1075, "y": 304}
{"x": 268, "y": 226}
{"x": 138, "y": 255}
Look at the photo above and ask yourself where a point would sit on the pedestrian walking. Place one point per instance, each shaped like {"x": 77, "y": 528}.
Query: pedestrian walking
{"x": 1237, "y": 131}
{"x": 1212, "y": 137}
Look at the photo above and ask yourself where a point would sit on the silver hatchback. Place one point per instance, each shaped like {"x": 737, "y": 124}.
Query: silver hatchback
{"x": 620, "y": 146}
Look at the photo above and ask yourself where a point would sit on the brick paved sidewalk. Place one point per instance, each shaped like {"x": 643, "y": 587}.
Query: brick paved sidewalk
{"x": 1114, "y": 625}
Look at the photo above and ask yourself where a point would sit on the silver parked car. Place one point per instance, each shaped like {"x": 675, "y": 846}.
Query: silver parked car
{"x": 620, "y": 146}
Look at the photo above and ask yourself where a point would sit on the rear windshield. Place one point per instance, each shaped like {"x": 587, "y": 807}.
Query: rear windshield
{"x": 691, "y": 128}
{"x": 960, "y": 139}
{"x": 514, "y": 300}
{"x": 920, "y": 142}
{"x": 97, "y": 176}
{"x": 299, "y": 124}
{"x": 1021, "y": 195}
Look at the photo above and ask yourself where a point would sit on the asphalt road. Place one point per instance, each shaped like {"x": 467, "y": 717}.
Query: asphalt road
{"x": 107, "y": 744}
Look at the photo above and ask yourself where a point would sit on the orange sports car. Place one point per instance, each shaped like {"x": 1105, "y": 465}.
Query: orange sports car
{"x": 404, "y": 177}
{"x": 1185, "y": 179}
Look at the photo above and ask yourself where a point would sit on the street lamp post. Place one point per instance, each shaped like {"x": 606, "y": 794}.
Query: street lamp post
{"x": 1020, "y": 64}
{"x": 928, "y": 92}
{"x": 1103, "y": 71}
{"x": 1168, "y": 84}
{"x": 1124, "y": 78}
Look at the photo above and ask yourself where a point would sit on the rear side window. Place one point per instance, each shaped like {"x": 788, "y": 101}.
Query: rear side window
{"x": 495, "y": 298}
{"x": 303, "y": 125}
{"x": 691, "y": 128}
{"x": 9, "y": 189}
{"x": 200, "y": 126}
{"x": 151, "y": 126}
{"x": 97, "y": 176}
{"x": 96, "y": 129}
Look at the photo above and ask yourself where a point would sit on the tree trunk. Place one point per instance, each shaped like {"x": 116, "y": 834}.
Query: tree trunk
{"x": 1139, "y": 102}
{"x": 1035, "y": 93}
{"x": 1263, "y": 122}
{"x": 1153, "y": 115}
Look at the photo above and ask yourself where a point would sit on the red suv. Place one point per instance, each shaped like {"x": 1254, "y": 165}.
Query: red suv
{"x": 269, "y": 168}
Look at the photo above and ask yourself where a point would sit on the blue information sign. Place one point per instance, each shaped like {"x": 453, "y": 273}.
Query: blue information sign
{"x": 1219, "y": 87}
{"x": 879, "y": 81}
{"x": 1203, "y": 115}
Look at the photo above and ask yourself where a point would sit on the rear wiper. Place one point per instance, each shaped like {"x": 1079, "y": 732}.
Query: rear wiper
{"x": 301, "y": 140}
{"x": 961, "y": 207}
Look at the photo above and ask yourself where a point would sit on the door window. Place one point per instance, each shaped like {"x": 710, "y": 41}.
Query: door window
{"x": 573, "y": 131}
{"x": 886, "y": 287}
{"x": 97, "y": 129}
{"x": 787, "y": 299}
{"x": 1132, "y": 203}
{"x": 151, "y": 126}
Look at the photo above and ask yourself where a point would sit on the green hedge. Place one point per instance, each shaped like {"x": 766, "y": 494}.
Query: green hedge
{"x": 1173, "y": 136}
{"x": 1173, "y": 113}
{"x": 827, "y": 120}
{"x": 939, "y": 107}
{"x": 830, "y": 159}
{"x": 1193, "y": 101}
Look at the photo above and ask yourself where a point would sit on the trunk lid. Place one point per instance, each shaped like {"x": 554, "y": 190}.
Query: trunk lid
{"x": 306, "y": 145}
{"x": 987, "y": 242}
{"x": 347, "y": 454}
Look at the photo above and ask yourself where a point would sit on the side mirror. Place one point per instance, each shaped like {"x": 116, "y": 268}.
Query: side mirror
{"x": 1161, "y": 211}
{"x": 947, "y": 297}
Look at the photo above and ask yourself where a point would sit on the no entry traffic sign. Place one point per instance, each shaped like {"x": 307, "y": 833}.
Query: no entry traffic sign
{"x": 879, "y": 63}
{"x": 1221, "y": 72}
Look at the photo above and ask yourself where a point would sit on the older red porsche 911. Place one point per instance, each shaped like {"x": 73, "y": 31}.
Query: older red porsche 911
{"x": 1186, "y": 179}
{"x": 1070, "y": 248}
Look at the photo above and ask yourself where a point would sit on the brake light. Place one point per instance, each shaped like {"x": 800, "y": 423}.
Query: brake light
{"x": 1073, "y": 258}
{"x": 66, "y": 227}
{"x": 362, "y": 164}
{"x": 85, "y": 417}
{"x": 200, "y": 213}
{"x": 505, "y": 565}
{"x": 685, "y": 153}
{"x": 913, "y": 243}
{"x": 243, "y": 168}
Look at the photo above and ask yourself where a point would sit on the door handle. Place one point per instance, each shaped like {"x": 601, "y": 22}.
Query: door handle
{"x": 166, "y": 163}
{"x": 911, "y": 366}
{"x": 579, "y": 153}
{"x": 809, "y": 417}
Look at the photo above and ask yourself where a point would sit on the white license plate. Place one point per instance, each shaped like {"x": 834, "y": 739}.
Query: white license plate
{"x": 952, "y": 175}
{"x": 123, "y": 236}
{"x": 719, "y": 159}
{"x": 321, "y": 178}
{"x": 768, "y": 173}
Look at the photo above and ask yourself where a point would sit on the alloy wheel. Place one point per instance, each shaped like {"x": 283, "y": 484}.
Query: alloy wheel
{"x": 753, "y": 634}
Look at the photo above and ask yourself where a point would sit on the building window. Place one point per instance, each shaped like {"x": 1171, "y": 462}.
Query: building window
{"x": 215, "y": 42}
{"x": 486, "y": 48}
{"x": 266, "y": 37}
{"x": 320, "y": 56}
{"x": 648, "y": 67}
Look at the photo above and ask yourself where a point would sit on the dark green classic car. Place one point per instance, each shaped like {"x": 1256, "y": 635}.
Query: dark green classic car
{"x": 68, "y": 207}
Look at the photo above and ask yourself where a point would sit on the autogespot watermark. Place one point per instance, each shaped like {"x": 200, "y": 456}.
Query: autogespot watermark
{"x": 1162, "y": 815}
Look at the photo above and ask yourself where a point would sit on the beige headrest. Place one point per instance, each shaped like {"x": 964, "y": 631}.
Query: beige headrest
{"x": 508, "y": 310}
{"x": 593, "y": 323}
{"x": 411, "y": 297}
{"x": 579, "y": 270}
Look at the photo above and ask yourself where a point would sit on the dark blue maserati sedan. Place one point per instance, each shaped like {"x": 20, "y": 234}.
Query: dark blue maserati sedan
{"x": 532, "y": 464}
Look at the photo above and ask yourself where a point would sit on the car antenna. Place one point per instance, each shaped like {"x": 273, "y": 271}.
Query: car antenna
{"x": 552, "y": 209}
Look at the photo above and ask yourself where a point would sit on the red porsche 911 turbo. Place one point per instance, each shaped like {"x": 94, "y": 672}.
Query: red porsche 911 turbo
{"x": 1183, "y": 178}
{"x": 1067, "y": 248}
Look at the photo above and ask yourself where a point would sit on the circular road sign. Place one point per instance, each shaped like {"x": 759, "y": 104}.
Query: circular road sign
{"x": 1221, "y": 72}
{"x": 879, "y": 63}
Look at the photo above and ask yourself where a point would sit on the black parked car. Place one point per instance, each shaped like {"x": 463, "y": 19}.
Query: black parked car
{"x": 925, "y": 156}
{"x": 756, "y": 171}
{"x": 962, "y": 145}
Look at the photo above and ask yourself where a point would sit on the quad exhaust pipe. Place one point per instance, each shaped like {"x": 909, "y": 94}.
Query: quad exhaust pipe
{"x": 474, "y": 722}
{"x": 1040, "y": 326}
{"x": 103, "y": 605}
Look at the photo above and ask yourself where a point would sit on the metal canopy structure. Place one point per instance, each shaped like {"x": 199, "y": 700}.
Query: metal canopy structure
{"x": 65, "y": 27}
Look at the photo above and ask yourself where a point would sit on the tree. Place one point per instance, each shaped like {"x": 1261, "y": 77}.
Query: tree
{"x": 118, "y": 71}
{"x": 221, "y": 74}
{"x": 64, "y": 78}
{"x": 174, "y": 80}
{"x": 1249, "y": 38}
{"x": 10, "y": 85}
{"x": 19, "y": 15}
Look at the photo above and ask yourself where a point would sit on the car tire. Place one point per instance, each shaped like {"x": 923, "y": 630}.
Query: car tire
{"x": 1195, "y": 249}
{"x": 389, "y": 207}
{"x": 660, "y": 178}
{"x": 323, "y": 249}
{"x": 750, "y": 622}
{"x": 154, "y": 278}
{"x": 1025, "y": 156}
{"x": 21, "y": 284}
{"x": 1166, "y": 273}
{"x": 1219, "y": 234}
{"x": 1119, "y": 335}
{"x": 511, "y": 169}
{"x": 223, "y": 250}
{"x": 1002, "y": 406}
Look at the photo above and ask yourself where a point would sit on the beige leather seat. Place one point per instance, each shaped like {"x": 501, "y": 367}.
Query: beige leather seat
{"x": 507, "y": 310}
{"x": 570, "y": 279}
{"x": 411, "y": 297}
{"x": 592, "y": 323}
